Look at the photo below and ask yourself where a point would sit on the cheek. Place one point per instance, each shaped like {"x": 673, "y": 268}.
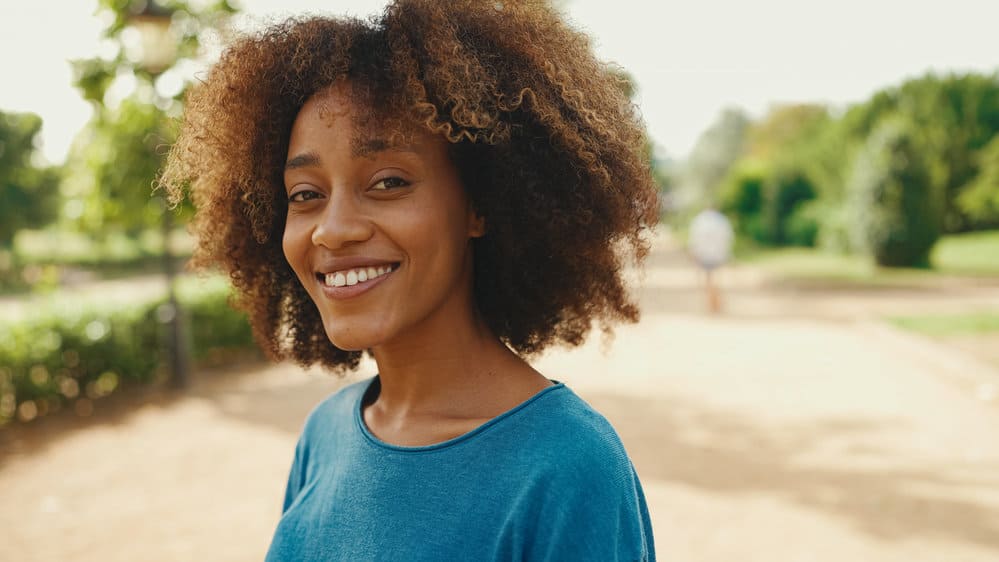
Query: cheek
{"x": 294, "y": 245}
{"x": 287, "y": 246}
{"x": 429, "y": 234}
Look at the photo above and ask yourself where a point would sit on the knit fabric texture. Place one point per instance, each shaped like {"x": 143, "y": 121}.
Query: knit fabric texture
{"x": 548, "y": 480}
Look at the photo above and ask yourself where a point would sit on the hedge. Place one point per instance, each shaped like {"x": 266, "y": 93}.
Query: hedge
{"x": 897, "y": 213}
{"x": 70, "y": 354}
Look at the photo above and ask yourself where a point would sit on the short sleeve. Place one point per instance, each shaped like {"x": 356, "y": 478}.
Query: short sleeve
{"x": 296, "y": 476}
{"x": 601, "y": 514}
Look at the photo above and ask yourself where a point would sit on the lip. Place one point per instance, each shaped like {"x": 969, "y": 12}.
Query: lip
{"x": 350, "y": 262}
{"x": 351, "y": 291}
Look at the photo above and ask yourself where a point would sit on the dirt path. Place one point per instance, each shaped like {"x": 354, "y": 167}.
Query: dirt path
{"x": 792, "y": 429}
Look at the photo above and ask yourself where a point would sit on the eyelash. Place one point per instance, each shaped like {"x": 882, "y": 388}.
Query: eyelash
{"x": 397, "y": 180}
{"x": 300, "y": 196}
{"x": 309, "y": 195}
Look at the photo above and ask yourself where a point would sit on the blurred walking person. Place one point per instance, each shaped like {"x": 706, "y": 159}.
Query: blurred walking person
{"x": 710, "y": 242}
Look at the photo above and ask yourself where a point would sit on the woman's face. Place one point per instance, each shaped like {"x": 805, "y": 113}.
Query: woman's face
{"x": 378, "y": 235}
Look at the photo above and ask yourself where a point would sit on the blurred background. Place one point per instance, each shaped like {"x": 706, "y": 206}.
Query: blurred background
{"x": 838, "y": 401}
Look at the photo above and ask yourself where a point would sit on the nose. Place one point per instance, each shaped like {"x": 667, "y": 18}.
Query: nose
{"x": 342, "y": 222}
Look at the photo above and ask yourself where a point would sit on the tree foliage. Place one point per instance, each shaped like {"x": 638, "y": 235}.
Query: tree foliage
{"x": 979, "y": 199}
{"x": 896, "y": 208}
{"x": 954, "y": 118}
{"x": 767, "y": 203}
{"x": 28, "y": 193}
{"x": 804, "y": 167}
{"x": 718, "y": 148}
{"x": 784, "y": 126}
{"x": 114, "y": 162}
{"x": 741, "y": 197}
{"x": 779, "y": 174}
{"x": 188, "y": 23}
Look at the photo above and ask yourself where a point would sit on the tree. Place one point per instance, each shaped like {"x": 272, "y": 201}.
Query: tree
{"x": 114, "y": 162}
{"x": 784, "y": 127}
{"x": 897, "y": 210}
{"x": 785, "y": 193}
{"x": 767, "y": 188}
{"x": 717, "y": 149}
{"x": 741, "y": 197}
{"x": 803, "y": 140}
{"x": 954, "y": 118}
{"x": 979, "y": 199}
{"x": 28, "y": 193}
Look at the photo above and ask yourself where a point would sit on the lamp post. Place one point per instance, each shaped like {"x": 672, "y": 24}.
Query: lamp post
{"x": 157, "y": 47}
{"x": 157, "y": 52}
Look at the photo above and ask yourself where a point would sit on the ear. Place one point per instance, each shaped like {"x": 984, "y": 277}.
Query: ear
{"x": 476, "y": 224}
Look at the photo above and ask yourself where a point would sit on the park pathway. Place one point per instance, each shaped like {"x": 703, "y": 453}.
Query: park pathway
{"x": 794, "y": 428}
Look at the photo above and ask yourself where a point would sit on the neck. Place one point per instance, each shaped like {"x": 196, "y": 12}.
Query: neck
{"x": 443, "y": 370}
{"x": 450, "y": 366}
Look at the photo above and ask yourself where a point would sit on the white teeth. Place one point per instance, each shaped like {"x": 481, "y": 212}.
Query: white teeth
{"x": 350, "y": 277}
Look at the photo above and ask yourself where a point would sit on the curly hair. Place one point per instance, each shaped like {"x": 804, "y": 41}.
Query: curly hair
{"x": 548, "y": 146}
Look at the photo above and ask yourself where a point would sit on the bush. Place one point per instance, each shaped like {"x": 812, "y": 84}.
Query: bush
{"x": 785, "y": 192}
{"x": 741, "y": 198}
{"x": 835, "y": 225}
{"x": 979, "y": 200}
{"x": 72, "y": 353}
{"x": 42, "y": 260}
{"x": 897, "y": 213}
{"x": 765, "y": 204}
{"x": 802, "y": 226}
{"x": 214, "y": 326}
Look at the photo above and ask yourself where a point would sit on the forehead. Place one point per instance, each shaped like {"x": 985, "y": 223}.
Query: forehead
{"x": 342, "y": 113}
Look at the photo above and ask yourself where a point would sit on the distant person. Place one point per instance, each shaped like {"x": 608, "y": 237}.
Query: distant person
{"x": 449, "y": 188}
{"x": 710, "y": 242}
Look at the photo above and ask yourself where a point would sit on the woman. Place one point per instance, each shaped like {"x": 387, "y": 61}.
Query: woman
{"x": 451, "y": 187}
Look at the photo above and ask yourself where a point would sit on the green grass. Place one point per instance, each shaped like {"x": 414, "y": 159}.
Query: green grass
{"x": 69, "y": 248}
{"x": 963, "y": 255}
{"x": 40, "y": 258}
{"x": 814, "y": 266}
{"x": 950, "y": 325}
{"x": 974, "y": 253}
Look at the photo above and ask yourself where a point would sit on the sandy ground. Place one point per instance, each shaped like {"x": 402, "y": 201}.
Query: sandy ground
{"x": 793, "y": 428}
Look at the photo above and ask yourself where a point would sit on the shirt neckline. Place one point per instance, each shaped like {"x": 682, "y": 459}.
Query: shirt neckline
{"x": 371, "y": 438}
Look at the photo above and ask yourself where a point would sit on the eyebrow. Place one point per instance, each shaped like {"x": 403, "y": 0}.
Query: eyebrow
{"x": 372, "y": 146}
{"x": 361, "y": 148}
{"x": 302, "y": 161}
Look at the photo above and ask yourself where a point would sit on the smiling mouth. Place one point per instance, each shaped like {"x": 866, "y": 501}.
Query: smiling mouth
{"x": 353, "y": 276}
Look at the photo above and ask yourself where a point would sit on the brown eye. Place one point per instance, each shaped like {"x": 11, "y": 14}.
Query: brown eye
{"x": 390, "y": 183}
{"x": 305, "y": 195}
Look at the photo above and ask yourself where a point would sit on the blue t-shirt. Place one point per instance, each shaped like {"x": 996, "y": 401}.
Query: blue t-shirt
{"x": 548, "y": 480}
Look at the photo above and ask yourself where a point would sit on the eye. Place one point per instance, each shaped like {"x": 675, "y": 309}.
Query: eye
{"x": 304, "y": 195}
{"x": 389, "y": 183}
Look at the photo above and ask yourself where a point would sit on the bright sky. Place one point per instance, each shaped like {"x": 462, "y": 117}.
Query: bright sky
{"x": 691, "y": 58}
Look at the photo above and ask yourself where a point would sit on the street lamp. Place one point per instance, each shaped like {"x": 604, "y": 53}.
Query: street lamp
{"x": 157, "y": 50}
{"x": 157, "y": 47}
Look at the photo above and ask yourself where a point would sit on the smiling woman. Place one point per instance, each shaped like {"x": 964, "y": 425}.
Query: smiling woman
{"x": 400, "y": 211}
{"x": 450, "y": 188}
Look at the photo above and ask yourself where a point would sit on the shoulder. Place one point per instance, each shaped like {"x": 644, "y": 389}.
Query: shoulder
{"x": 577, "y": 443}
{"x": 588, "y": 503}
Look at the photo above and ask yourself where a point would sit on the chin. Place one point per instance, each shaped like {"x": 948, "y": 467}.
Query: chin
{"x": 349, "y": 339}
{"x": 349, "y": 342}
